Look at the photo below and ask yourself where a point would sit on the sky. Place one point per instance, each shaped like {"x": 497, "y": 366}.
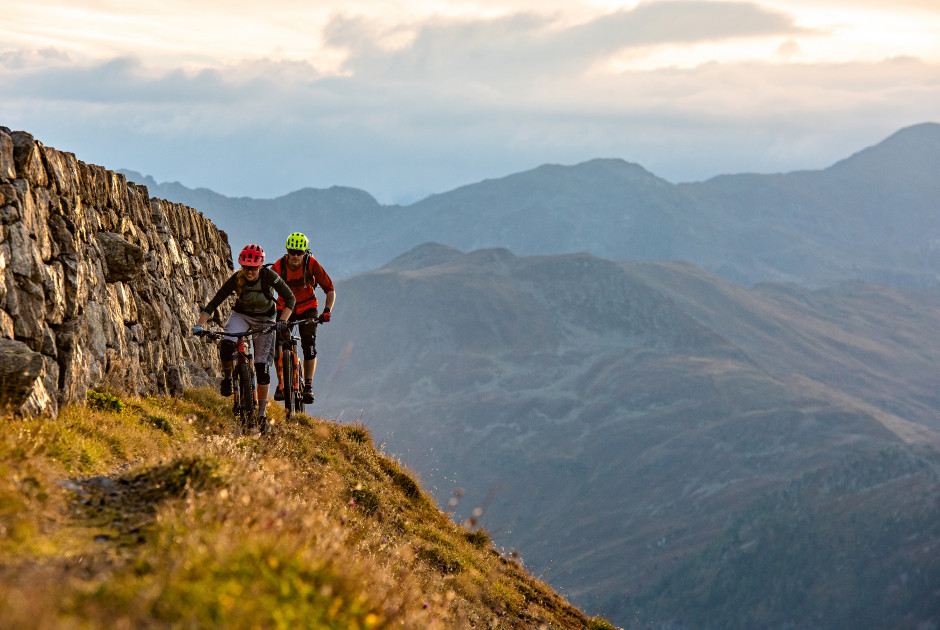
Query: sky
{"x": 407, "y": 98}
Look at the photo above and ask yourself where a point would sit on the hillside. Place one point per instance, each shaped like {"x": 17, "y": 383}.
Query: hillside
{"x": 871, "y": 216}
{"x": 851, "y": 545}
{"x": 148, "y": 513}
{"x": 612, "y": 419}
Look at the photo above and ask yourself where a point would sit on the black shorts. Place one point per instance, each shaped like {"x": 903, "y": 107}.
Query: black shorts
{"x": 307, "y": 332}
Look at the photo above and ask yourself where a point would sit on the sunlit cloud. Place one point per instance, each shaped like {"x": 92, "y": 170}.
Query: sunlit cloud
{"x": 528, "y": 46}
{"x": 413, "y": 98}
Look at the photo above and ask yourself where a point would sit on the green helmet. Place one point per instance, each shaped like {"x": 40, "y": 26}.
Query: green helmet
{"x": 297, "y": 241}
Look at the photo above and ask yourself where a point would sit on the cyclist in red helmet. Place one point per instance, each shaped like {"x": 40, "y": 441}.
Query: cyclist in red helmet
{"x": 303, "y": 274}
{"x": 255, "y": 307}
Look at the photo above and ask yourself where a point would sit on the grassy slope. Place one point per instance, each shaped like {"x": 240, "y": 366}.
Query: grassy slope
{"x": 850, "y": 545}
{"x": 156, "y": 516}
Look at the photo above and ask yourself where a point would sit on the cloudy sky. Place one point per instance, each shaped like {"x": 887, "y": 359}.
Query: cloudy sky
{"x": 404, "y": 98}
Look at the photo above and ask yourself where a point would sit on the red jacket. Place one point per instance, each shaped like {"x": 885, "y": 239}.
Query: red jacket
{"x": 303, "y": 290}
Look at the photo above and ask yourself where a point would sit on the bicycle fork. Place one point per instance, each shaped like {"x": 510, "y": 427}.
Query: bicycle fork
{"x": 295, "y": 368}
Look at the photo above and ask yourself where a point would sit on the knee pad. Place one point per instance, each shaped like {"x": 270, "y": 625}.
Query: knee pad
{"x": 308, "y": 340}
{"x": 310, "y": 349}
{"x": 227, "y": 349}
{"x": 263, "y": 374}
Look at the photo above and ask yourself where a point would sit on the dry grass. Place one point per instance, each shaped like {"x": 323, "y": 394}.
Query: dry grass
{"x": 151, "y": 514}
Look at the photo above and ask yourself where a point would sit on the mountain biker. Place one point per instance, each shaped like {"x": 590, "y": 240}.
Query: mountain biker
{"x": 303, "y": 273}
{"x": 255, "y": 307}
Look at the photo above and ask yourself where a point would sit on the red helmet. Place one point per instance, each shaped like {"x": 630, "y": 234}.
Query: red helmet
{"x": 251, "y": 256}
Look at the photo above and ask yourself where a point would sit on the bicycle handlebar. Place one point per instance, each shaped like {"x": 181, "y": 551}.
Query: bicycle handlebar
{"x": 304, "y": 321}
{"x": 218, "y": 334}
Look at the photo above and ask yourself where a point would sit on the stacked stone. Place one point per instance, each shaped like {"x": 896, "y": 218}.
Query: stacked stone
{"x": 99, "y": 284}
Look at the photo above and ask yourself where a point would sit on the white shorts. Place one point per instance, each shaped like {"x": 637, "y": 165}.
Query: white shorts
{"x": 263, "y": 343}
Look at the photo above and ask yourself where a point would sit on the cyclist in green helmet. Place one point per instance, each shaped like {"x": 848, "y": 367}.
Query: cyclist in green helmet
{"x": 303, "y": 274}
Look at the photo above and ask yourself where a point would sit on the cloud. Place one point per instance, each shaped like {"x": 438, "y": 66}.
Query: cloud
{"x": 788, "y": 49}
{"x": 422, "y": 107}
{"x": 240, "y": 134}
{"x": 685, "y": 22}
{"x": 526, "y": 46}
{"x": 926, "y": 6}
{"x": 13, "y": 60}
{"x": 121, "y": 80}
{"x": 53, "y": 75}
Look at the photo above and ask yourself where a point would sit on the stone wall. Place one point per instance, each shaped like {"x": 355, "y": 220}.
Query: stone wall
{"x": 99, "y": 283}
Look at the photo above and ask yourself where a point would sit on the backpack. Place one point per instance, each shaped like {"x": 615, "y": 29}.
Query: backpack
{"x": 267, "y": 282}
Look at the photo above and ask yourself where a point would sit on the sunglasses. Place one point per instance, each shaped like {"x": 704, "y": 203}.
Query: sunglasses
{"x": 251, "y": 267}
{"x": 296, "y": 252}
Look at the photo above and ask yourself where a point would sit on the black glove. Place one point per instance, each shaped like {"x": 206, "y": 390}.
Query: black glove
{"x": 325, "y": 317}
{"x": 282, "y": 327}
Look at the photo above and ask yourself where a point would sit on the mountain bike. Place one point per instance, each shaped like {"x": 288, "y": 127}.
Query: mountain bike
{"x": 289, "y": 362}
{"x": 244, "y": 386}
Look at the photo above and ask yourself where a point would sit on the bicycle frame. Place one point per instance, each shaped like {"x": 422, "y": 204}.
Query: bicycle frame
{"x": 245, "y": 408}
{"x": 290, "y": 373}
{"x": 244, "y": 390}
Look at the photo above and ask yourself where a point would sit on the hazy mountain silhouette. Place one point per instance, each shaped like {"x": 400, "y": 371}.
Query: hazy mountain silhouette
{"x": 872, "y": 217}
{"x": 614, "y": 419}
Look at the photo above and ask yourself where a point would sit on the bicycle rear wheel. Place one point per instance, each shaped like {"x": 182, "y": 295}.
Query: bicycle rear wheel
{"x": 246, "y": 397}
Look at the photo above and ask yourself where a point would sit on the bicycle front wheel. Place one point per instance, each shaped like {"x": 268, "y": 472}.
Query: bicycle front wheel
{"x": 246, "y": 397}
{"x": 287, "y": 373}
{"x": 298, "y": 387}
{"x": 299, "y": 402}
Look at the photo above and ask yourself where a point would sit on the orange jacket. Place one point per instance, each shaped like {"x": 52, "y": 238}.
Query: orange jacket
{"x": 303, "y": 287}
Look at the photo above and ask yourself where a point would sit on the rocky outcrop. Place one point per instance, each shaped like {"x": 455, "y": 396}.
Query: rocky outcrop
{"x": 99, "y": 283}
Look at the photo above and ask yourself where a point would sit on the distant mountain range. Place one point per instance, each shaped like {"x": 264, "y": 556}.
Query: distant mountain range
{"x": 620, "y": 423}
{"x": 873, "y": 216}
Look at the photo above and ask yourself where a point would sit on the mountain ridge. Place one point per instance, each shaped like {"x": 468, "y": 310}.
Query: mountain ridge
{"x": 869, "y": 216}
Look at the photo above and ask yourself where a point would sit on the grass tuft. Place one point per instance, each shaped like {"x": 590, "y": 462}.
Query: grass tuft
{"x": 479, "y": 538}
{"x": 402, "y": 480}
{"x": 160, "y": 422}
{"x": 102, "y": 401}
{"x": 358, "y": 433}
{"x": 443, "y": 559}
{"x": 364, "y": 499}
